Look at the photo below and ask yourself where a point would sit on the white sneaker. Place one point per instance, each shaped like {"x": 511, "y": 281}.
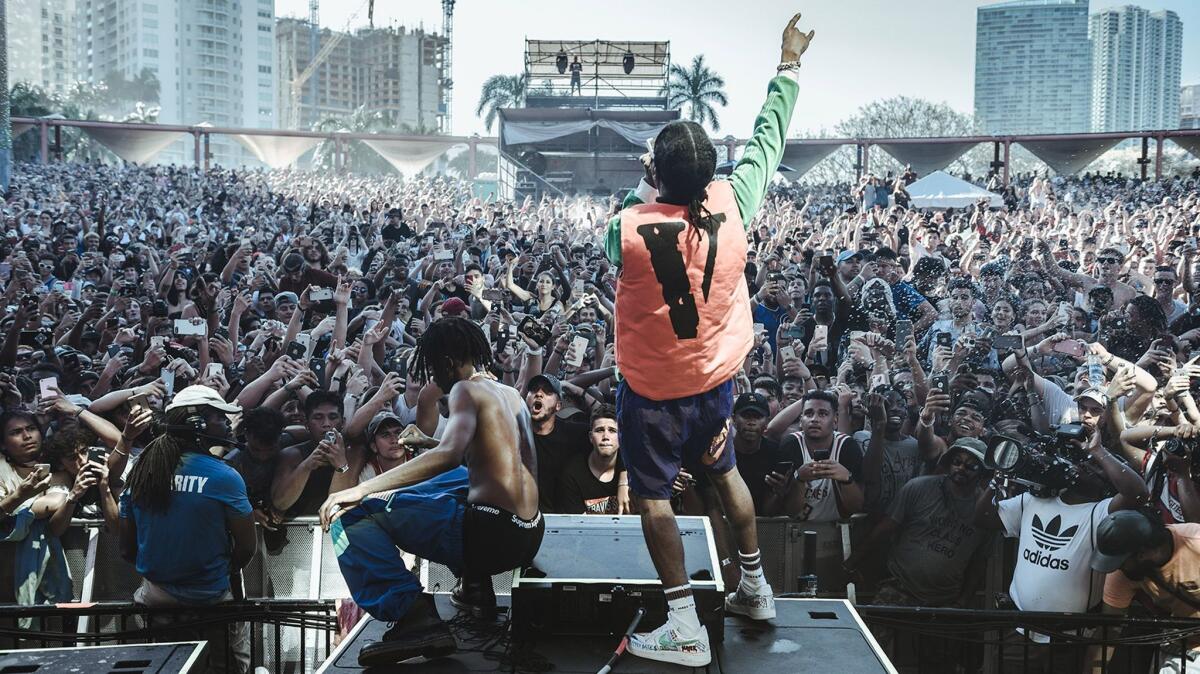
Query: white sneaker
{"x": 756, "y": 605}
{"x": 666, "y": 645}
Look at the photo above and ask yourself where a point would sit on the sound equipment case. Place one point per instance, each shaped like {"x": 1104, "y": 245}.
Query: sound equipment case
{"x": 593, "y": 572}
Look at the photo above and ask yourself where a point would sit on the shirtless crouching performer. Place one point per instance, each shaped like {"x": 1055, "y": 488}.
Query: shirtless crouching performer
{"x": 478, "y": 520}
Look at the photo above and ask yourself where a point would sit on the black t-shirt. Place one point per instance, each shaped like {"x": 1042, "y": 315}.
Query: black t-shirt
{"x": 554, "y": 451}
{"x": 258, "y": 475}
{"x": 753, "y": 467}
{"x": 316, "y": 489}
{"x": 580, "y": 492}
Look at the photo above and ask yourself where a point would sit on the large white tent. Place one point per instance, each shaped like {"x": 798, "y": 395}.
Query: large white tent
{"x": 942, "y": 190}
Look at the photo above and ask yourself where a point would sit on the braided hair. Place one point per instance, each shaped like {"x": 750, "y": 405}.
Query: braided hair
{"x": 151, "y": 478}
{"x": 684, "y": 163}
{"x": 447, "y": 342}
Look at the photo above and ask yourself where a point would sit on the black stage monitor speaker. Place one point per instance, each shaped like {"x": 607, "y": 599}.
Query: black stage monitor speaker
{"x": 807, "y": 635}
{"x": 594, "y": 571}
{"x": 167, "y": 658}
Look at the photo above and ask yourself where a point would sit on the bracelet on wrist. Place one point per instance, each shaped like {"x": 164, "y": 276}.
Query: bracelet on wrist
{"x": 787, "y": 65}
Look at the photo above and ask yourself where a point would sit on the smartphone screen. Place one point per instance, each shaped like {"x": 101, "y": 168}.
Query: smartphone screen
{"x": 47, "y": 387}
{"x": 168, "y": 378}
{"x": 579, "y": 346}
{"x": 903, "y": 331}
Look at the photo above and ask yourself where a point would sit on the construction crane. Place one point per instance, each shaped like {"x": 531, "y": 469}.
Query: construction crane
{"x": 447, "y": 63}
{"x": 297, "y": 83}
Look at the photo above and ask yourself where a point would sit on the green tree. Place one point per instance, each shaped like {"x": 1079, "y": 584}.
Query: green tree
{"x": 897, "y": 117}
{"x": 501, "y": 91}
{"x": 697, "y": 87}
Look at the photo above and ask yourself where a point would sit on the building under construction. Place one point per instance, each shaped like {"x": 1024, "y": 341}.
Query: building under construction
{"x": 400, "y": 73}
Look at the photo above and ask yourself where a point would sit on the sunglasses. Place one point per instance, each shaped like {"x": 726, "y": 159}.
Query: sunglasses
{"x": 969, "y": 465}
{"x": 1163, "y": 282}
{"x": 1108, "y": 260}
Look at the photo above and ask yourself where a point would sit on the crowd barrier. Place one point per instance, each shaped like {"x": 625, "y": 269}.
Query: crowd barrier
{"x": 285, "y": 637}
{"x": 305, "y": 568}
{"x": 954, "y": 641}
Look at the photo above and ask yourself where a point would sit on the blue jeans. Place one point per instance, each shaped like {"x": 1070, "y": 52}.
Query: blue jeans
{"x": 425, "y": 519}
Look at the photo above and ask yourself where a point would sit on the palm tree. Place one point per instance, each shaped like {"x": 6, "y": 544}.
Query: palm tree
{"x": 143, "y": 114}
{"x": 501, "y": 91}
{"x": 359, "y": 157}
{"x": 697, "y": 87}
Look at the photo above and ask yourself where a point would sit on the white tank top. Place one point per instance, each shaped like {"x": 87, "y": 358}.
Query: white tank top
{"x": 820, "y": 499}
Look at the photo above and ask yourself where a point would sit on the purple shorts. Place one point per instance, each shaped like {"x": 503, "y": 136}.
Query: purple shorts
{"x": 658, "y": 437}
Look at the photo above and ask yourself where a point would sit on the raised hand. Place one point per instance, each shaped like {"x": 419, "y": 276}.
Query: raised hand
{"x": 795, "y": 42}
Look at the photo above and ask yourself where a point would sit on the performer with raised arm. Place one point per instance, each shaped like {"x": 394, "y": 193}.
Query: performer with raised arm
{"x": 683, "y": 330}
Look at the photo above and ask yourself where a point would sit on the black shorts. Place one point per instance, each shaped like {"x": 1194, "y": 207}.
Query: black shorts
{"x": 495, "y": 540}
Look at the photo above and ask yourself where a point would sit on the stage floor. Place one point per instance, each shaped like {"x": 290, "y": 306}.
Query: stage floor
{"x": 807, "y": 635}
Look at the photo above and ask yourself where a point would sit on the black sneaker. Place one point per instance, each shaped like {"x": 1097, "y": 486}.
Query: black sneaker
{"x": 475, "y": 597}
{"x": 420, "y": 633}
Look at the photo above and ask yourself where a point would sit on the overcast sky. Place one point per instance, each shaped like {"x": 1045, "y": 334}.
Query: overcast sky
{"x": 863, "y": 50}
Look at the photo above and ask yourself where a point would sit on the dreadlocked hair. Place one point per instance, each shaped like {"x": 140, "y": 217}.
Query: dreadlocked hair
{"x": 684, "y": 163}
{"x": 151, "y": 478}
{"x": 448, "y": 342}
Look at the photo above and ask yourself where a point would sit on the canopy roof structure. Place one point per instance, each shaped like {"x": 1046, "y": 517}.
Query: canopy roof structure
{"x": 942, "y": 190}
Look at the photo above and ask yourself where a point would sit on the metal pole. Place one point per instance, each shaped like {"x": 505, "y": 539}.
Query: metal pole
{"x": 44, "y": 146}
{"x": 207, "y": 152}
{"x": 1158, "y": 158}
{"x": 858, "y": 161}
{"x": 58, "y": 153}
{"x": 866, "y": 158}
{"x": 1144, "y": 160}
{"x": 1007, "y": 151}
{"x": 196, "y": 147}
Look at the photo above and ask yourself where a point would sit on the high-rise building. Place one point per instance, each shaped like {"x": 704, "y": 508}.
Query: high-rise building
{"x": 1189, "y": 107}
{"x": 394, "y": 71}
{"x": 1136, "y": 59}
{"x": 1033, "y": 66}
{"x": 41, "y": 43}
{"x": 214, "y": 60}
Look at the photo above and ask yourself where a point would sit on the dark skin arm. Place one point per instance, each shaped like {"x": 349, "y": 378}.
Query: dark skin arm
{"x": 129, "y": 540}
{"x": 245, "y": 540}
{"x": 987, "y": 515}
{"x": 873, "y": 461}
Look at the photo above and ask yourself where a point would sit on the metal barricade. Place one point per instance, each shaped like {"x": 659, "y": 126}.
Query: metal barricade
{"x": 286, "y": 637}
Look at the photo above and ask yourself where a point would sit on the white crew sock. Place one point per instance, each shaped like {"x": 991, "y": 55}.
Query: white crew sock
{"x": 681, "y": 611}
{"x": 752, "y": 573}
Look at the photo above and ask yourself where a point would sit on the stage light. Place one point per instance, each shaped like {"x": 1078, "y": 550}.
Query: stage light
{"x": 560, "y": 61}
{"x": 627, "y": 62}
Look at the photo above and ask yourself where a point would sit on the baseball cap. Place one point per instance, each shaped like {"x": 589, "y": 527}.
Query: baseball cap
{"x": 1120, "y": 536}
{"x": 454, "y": 307}
{"x": 379, "y": 420}
{"x": 293, "y": 262}
{"x": 972, "y": 446}
{"x": 286, "y": 296}
{"x": 1094, "y": 394}
{"x": 200, "y": 396}
{"x": 848, "y": 255}
{"x": 752, "y": 401}
{"x": 547, "y": 379}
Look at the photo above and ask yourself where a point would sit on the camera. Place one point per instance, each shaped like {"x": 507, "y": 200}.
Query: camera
{"x": 1182, "y": 449}
{"x": 1044, "y": 464}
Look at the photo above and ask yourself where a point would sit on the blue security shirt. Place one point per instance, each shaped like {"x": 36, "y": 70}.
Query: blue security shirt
{"x": 185, "y": 549}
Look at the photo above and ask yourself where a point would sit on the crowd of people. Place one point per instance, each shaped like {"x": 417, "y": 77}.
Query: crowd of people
{"x": 952, "y": 374}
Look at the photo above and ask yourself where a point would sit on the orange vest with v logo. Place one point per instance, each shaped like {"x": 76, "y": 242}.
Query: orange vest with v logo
{"x": 684, "y": 324}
